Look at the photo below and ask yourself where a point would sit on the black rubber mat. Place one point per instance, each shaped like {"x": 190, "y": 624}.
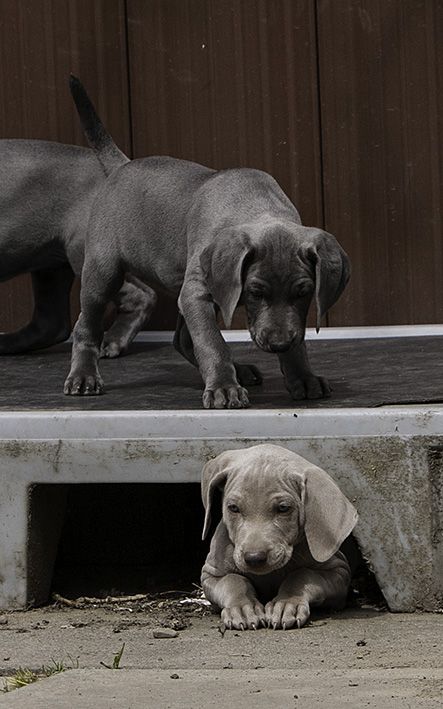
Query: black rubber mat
{"x": 363, "y": 373}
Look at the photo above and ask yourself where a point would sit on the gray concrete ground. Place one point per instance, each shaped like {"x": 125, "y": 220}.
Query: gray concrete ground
{"x": 360, "y": 657}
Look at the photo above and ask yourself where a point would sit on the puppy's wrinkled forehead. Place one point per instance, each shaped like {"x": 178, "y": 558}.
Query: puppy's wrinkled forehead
{"x": 257, "y": 481}
{"x": 278, "y": 251}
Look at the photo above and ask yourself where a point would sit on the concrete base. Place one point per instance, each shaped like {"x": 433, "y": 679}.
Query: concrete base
{"x": 356, "y": 657}
{"x": 388, "y": 461}
{"x": 199, "y": 689}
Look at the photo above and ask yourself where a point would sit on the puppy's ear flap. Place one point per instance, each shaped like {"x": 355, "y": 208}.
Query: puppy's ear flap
{"x": 213, "y": 477}
{"x": 329, "y": 516}
{"x": 332, "y": 272}
{"x": 222, "y": 264}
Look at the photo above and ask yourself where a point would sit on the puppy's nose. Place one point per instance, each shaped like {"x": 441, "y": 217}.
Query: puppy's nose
{"x": 255, "y": 558}
{"x": 279, "y": 340}
{"x": 279, "y": 346}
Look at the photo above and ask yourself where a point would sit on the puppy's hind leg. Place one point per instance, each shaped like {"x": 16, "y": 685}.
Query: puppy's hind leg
{"x": 247, "y": 374}
{"x": 135, "y": 302}
{"x": 51, "y": 319}
{"x": 183, "y": 342}
{"x": 100, "y": 284}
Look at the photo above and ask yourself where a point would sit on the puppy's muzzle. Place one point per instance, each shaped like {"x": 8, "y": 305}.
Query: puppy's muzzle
{"x": 255, "y": 559}
{"x": 277, "y": 341}
{"x": 262, "y": 560}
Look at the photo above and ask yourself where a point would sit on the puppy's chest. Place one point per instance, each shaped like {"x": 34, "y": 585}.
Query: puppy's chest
{"x": 267, "y": 585}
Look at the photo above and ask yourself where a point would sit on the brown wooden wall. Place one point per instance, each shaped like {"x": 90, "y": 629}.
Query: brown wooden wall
{"x": 381, "y": 94}
{"x": 341, "y": 100}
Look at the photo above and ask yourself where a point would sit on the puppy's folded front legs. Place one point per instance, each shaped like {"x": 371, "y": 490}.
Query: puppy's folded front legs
{"x": 305, "y": 588}
{"x": 235, "y": 595}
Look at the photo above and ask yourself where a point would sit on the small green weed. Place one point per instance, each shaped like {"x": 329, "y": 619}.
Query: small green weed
{"x": 24, "y": 675}
{"x": 21, "y": 678}
{"x": 116, "y": 661}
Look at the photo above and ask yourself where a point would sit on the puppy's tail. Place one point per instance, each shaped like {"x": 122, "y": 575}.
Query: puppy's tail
{"x": 109, "y": 155}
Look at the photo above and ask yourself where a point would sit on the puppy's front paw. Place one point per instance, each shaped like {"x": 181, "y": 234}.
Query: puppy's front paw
{"x": 78, "y": 384}
{"x": 248, "y": 374}
{"x": 249, "y": 616}
{"x": 287, "y": 614}
{"x": 112, "y": 348}
{"x": 231, "y": 397}
{"x": 311, "y": 387}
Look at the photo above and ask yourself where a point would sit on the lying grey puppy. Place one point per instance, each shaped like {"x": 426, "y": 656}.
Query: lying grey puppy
{"x": 45, "y": 198}
{"x": 214, "y": 240}
{"x": 276, "y": 551}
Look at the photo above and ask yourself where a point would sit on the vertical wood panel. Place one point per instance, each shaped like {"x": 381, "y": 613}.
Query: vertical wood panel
{"x": 381, "y": 113}
{"x": 41, "y": 42}
{"x": 228, "y": 83}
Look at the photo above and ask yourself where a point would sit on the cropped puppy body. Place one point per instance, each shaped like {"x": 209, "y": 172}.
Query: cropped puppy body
{"x": 46, "y": 193}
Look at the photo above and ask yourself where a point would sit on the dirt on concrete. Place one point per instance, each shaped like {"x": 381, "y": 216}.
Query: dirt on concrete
{"x": 362, "y": 656}
{"x": 87, "y": 633}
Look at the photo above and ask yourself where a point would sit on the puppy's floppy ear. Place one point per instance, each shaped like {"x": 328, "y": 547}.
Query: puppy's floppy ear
{"x": 222, "y": 264}
{"x": 214, "y": 476}
{"x": 332, "y": 271}
{"x": 329, "y": 516}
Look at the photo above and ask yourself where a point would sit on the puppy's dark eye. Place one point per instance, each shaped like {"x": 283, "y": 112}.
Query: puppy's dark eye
{"x": 283, "y": 507}
{"x": 233, "y": 508}
{"x": 301, "y": 289}
{"x": 256, "y": 293}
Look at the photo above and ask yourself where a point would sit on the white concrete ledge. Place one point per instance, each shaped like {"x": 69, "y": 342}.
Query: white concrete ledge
{"x": 233, "y": 424}
{"x": 325, "y": 333}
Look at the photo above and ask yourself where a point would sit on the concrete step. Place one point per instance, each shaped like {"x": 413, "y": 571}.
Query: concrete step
{"x": 241, "y": 689}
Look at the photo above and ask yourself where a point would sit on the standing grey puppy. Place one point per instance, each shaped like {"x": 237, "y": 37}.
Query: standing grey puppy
{"x": 214, "y": 240}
